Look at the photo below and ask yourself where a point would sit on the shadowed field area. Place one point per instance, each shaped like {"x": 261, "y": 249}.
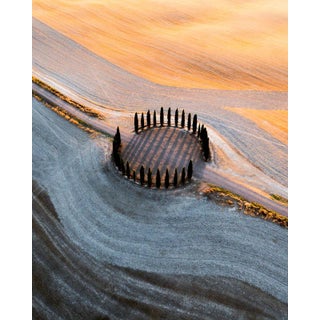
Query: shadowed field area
{"x": 161, "y": 148}
{"x": 98, "y": 253}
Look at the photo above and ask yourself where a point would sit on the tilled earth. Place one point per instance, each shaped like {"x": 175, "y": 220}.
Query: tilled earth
{"x": 104, "y": 248}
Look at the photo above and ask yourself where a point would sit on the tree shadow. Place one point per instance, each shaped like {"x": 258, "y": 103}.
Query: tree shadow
{"x": 163, "y": 148}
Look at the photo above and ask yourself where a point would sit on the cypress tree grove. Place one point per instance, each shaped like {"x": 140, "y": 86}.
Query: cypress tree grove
{"x": 148, "y": 119}
{"x": 198, "y": 135}
{"x": 154, "y": 118}
{"x": 142, "y": 120}
{"x": 190, "y": 170}
{"x": 182, "y": 119}
{"x": 183, "y": 175}
{"x": 158, "y": 179}
{"x": 189, "y": 121}
{"x": 169, "y": 117}
{"x": 176, "y": 117}
{"x": 142, "y": 175}
{"x": 166, "y": 181}
{"x": 175, "y": 178}
{"x": 149, "y": 178}
{"x": 136, "y": 123}
{"x": 128, "y": 170}
{"x": 194, "y": 124}
{"x": 161, "y": 117}
{"x": 134, "y": 175}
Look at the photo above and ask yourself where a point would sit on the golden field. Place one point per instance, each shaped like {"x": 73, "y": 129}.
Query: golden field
{"x": 274, "y": 122}
{"x": 202, "y": 44}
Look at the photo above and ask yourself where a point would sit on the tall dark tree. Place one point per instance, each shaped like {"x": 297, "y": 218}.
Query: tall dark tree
{"x": 182, "y": 119}
{"x": 175, "y": 178}
{"x": 148, "y": 119}
{"x": 201, "y": 132}
{"x": 158, "y": 179}
{"x": 117, "y": 136}
{"x": 206, "y": 149}
{"x": 116, "y": 142}
{"x": 149, "y": 178}
{"x": 134, "y": 175}
{"x": 194, "y": 124}
{"x": 166, "y": 181}
{"x": 183, "y": 175}
{"x": 115, "y": 147}
{"x": 198, "y": 134}
{"x": 204, "y": 134}
{"x": 190, "y": 170}
{"x": 176, "y": 117}
{"x": 154, "y": 118}
{"x": 169, "y": 117}
{"x": 128, "y": 174}
{"x": 122, "y": 167}
{"x": 142, "y": 175}
{"x": 115, "y": 154}
{"x": 136, "y": 123}
{"x": 189, "y": 121}
{"x": 161, "y": 117}
{"x": 142, "y": 120}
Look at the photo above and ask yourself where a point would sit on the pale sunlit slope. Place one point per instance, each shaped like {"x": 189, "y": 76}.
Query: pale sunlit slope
{"x": 274, "y": 122}
{"x": 205, "y": 44}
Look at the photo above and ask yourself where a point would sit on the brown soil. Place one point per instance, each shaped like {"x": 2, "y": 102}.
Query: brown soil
{"x": 162, "y": 148}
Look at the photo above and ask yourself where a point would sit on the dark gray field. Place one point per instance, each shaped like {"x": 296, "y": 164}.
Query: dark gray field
{"x": 104, "y": 248}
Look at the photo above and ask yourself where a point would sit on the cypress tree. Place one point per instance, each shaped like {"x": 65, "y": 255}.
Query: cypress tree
{"x": 166, "y": 181}
{"x": 201, "y": 132}
{"x": 149, "y": 178}
{"x": 134, "y": 175}
{"x": 190, "y": 170}
{"x": 115, "y": 153}
{"x": 206, "y": 149}
{"x": 142, "y": 175}
{"x": 148, "y": 119}
{"x": 122, "y": 167}
{"x": 169, "y": 117}
{"x": 189, "y": 121}
{"x": 183, "y": 175}
{"x": 182, "y": 119}
{"x": 158, "y": 179}
{"x": 142, "y": 120}
{"x": 154, "y": 118}
{"x": 161, "y": 117}
{"x": 175, "y": 179}
{"x": 117, "y": 136}
{"x": 114, "y": 147}
{"x": 176, "y": 117}
{"x": 198, "y": 131}
{"x": 194, "y": 124}
{"x": 136, "y": 123}
{"x": 128, "y": 170}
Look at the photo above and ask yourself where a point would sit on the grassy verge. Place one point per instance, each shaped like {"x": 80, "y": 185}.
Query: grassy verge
{"x": 66, "y": 115}
{"x": 279, "y": 198}
{"x": 225, "y": 197}
{"x": 90, "y": 112}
